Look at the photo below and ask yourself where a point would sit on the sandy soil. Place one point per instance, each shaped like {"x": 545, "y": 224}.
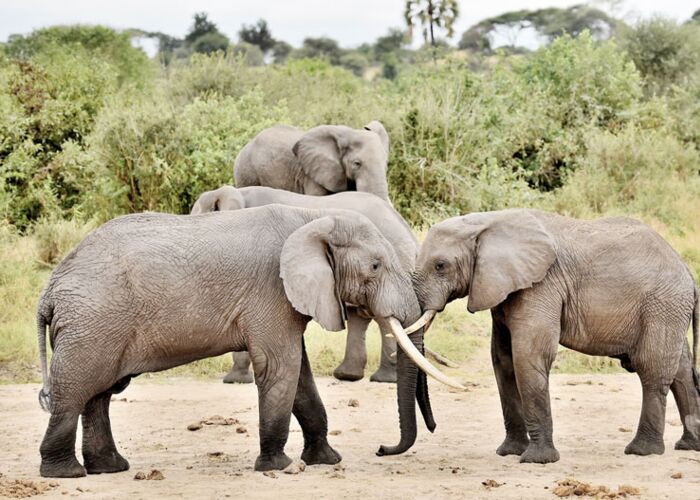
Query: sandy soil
{"x": 594, "y": 418}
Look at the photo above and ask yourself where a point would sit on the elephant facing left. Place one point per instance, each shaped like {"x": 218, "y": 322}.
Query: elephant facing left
{"x": 147, "y": 292}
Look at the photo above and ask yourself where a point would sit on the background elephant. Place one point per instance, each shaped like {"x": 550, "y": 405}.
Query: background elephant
{"x": 147, "y": 292}
{"x": 324, "y": 160}
{"x": 611, "y": 287}
{"x": 381, "y": 213}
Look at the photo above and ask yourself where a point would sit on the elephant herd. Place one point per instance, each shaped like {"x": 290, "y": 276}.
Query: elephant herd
{"x": 309, "y": 233}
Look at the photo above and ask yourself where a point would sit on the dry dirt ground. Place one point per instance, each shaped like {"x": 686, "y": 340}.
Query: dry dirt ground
{"x": 594, "y": 418}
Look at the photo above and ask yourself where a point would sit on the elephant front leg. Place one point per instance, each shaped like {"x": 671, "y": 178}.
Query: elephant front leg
{"x": 688, "y": 401}
{"x": 276, "y": 375}
{"x": 353, "y": 366}
{"x": 516, "y": 440}
{"x": 311, "y": 415}
{"x": 99, "y": 451}
{"x": 533, "y": 355}
{"x": 240, "y": 371}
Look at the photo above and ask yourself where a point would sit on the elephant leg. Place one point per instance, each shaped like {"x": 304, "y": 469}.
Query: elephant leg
{"x": 353, "y": 366}
{"x": 387, "y": 364}
{"x": 687, "y": 399}
{"x": 534, "y": 350}
{"x": 650, "y": 431}
{"x": 516, "y": 440}
{"x": 99, "y": 451}
{"x": 309, "y": 411}
{"x": 277, "y": 366}
{"x": 58, "y": 447}
{"x": 240, "y": 371}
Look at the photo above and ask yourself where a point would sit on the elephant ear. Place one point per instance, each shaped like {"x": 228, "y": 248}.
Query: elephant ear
{"x": 319, "y": 151}
{"x": 513, "y": 252}
{"x": 306, "y": 269}
{"x": 377, "y": 127}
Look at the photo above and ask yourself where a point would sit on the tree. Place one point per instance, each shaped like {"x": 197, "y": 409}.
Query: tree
{"x": 393, "y": 41}
{"x": 549, "y": 23}
{"x": 258, "y": 34}
{"x": 431, "y": 14}
{"x": 322, "y": 48}
{"x": 281, "y": 51}
{"x": 201, "y": 26}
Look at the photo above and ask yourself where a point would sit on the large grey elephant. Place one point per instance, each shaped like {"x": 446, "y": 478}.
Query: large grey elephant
{"x": 324, "y": 160}
{"x": 148, "y": 292}
{"x": 380, "y": 212}
{"x": 609, "y": 287}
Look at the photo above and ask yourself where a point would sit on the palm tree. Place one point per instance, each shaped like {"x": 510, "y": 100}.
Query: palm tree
{"x": 431, "y": 14}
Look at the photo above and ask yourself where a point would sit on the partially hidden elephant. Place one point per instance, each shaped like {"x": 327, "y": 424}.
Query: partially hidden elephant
{"x": 147, "y": 292}
{"x": 381, "y": 213}
{"x": 608, "y": 287}
{"x": 323, "y": 160}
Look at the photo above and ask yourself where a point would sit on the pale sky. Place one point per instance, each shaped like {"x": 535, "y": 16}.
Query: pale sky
{"x": 351, "y": 22}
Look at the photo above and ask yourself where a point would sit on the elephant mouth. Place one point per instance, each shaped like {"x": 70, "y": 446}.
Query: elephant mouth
{"x": 351, "y": 185}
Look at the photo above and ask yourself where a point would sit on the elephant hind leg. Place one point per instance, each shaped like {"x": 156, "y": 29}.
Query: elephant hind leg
{"x": 58, "y": 446}
{"x": 387, "y": 364}
{"x": 240, "y": 371}
{"x": 688, "y": 402}
{"x": 100, "y": 454}
{"x": 353, "y": 366}
{"x": 311, "y": 415}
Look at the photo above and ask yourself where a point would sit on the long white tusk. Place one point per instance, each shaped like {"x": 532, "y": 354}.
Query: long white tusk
{"x": 421, "y": 322}
{"x": 413, "y": 353}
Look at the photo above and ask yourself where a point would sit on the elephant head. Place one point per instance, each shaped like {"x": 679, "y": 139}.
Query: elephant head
{"x": 338, "y": 260}
{"x": 485, "y": 255}
{"x": 224, "y": 198}
{"x": 340, "y": 158}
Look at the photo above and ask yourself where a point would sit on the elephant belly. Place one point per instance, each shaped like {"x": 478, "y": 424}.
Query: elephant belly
{"x": 605, "y": 331}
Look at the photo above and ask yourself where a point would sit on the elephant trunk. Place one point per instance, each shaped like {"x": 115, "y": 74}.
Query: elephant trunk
{"x": 406, "y": 387}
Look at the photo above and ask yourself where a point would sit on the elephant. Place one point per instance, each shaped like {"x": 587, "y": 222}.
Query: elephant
{"x": 147, "y": 292}
{"x": 607, "y": 287}
{"x": 324, "y": 160}
{"x": 381, "y": 213}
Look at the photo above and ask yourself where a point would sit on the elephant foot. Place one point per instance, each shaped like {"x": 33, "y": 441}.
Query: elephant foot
{"x": 348, "y": 372}
{"x": 688, "y": 442}
{"x": 513, "y": 446}
{"x": 67, "y": 467}
{"x": 272, "y": 462}
{"x": 539, "y": 454}
{"x": 239, "y": 377}
{"x": 643, "y": 446}
{"x": 386, "y": 374}
{"x": 105, "y": 463}
{"x": 320, "y": 453}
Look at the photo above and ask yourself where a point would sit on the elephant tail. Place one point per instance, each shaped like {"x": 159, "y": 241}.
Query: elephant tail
{"x": 696, "y": 327}
{"x": 43, "y": 319}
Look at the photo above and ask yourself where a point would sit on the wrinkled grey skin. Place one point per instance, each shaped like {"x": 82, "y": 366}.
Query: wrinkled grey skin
{"x": 324, "y": 160}
{"x": 609, "y": 287}
{"x": 148, "y": 292}
{"x": 381, "y": 213}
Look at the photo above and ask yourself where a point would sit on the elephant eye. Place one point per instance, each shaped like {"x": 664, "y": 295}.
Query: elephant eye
{"x": 439, "y": 266}
{"x": 376, "y": 265}
{"x": 356, "y": 163}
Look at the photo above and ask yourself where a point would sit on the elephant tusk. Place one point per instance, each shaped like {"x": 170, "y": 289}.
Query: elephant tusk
{"x": 415, "y": 355}
{"x": 423, "y": 321}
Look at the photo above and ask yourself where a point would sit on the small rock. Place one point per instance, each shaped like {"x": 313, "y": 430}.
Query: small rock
{"x": 624, "y": 429}
{"x": 339, "y": 467}
{"x": 155, "y": 475}
{"x": 241, "y": 429}
{"x": 270, "y": 473}
{"x": 295, "y": 467}
{"x": 194, "y": 427}
{"x": 140, "y": 476}
{"x": 354, "y": 403}
{"x": 489, "y": 483}
{"x": 335, "y": 433}
{"x": 677, "y": 475}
